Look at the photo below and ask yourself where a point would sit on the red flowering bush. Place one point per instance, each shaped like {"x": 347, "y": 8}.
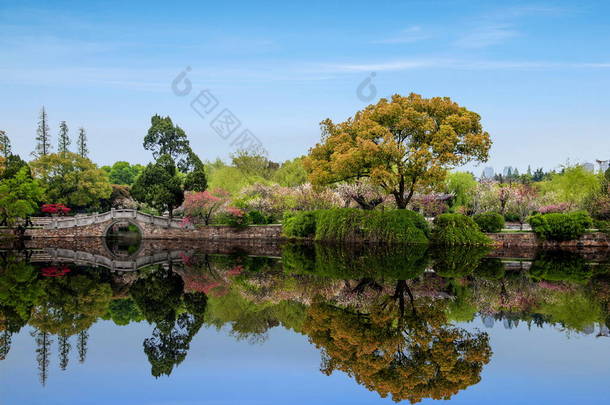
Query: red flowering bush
{"x": 55, "y": 209}
{"x": 54, "y": 271}
{"x": 201, "y": 206}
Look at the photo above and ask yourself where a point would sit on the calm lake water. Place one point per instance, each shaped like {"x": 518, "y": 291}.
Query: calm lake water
{"x": 127, "y": 322}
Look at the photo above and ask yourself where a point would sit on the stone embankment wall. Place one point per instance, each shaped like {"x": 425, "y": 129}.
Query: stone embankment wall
{"x": 527, "y": 239}
{"x": 271, "y": 232}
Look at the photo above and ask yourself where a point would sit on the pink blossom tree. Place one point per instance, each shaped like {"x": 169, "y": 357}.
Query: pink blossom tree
{"x": 522, "y": 201}
{"x": 201, "y": 206}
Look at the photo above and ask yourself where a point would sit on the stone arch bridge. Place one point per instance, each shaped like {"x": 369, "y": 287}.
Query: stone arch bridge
{"x": 98, "y": 225}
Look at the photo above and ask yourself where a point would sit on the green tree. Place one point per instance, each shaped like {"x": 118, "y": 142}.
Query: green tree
{"x": 291, "y": 173}
{"x": 19, "y": 197}
{"x": 404, "y": 145}
{"x": 63, "y": 138}
{"x": 71, "y": 179}
{"x": 124, "y": 173}
{"x": 5, "y": 145}
{"x": 159, "y": 185}
{"x": 165, "y": 138}
{"x": 573, "y": 185}
{"x": 43, "y": 136}
{"x": 462, "y": 185}
{"x": 196, "y": 179}
{"x": 81, "y": 143}
{"x": 252, "y": 164}
{"x": 13, "y": 165}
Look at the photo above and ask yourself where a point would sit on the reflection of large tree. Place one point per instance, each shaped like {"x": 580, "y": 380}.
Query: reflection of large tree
{"x": 168, "y": 349}
{"x": 19, "y": 291}
{"x": 408, "y": 351}
{"x": 177, "y": 318}
{"x": 71, "y": 304}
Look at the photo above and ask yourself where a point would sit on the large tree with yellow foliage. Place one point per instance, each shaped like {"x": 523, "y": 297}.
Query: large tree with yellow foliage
{"x": 404, "y": 145}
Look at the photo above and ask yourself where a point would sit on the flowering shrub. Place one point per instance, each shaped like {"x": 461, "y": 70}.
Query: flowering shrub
{"x": 54, "y": 271}
{"x": 366, "y": 194}
{"x": 58, "y": 209}
{"x": 233, "y": 216}
{"x": 201, "y": 206}
{"x": 554, "y": 208}
{"x": 429, "y": 205}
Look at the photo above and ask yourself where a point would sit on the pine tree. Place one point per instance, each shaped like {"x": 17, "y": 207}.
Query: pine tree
{"x": 82, "y": 142}
{"x": 43, "y": 137}
{"x": 81, "y": 345}
{"x": 43, "y": 353}
{"x": 5, "y": 145}
{"x": 64, "y": 138}
{"x": 64, "y": 351}
{"x": 5, "y": 343}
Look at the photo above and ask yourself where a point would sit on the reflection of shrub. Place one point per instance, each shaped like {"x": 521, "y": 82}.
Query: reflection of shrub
{"x": 457, "y": 261}
{"x": 560, "y": 266}
{"x": 490, "y": 269}
{"x": 489, "y": 221}
{"x": 355, "y": 261}
{"x": 347, "y": 224}
{"x": 300, "y": 224}
{"x": 457, "y": 229}
{"x": 560, "y": 227}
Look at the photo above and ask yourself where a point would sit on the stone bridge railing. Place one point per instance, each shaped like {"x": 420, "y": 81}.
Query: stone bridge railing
{"x": 114, "y": 215}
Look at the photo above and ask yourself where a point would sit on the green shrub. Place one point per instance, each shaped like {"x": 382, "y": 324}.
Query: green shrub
{"x": 457, "y": 229}
{"x": 489, "y": 221}
{"x": 350, "y": 224}
{"x": 258, "y": 218}
{"x": 299, "y": 225}
{"x": 511, "y": 217}
{"x": 560, "y": 227}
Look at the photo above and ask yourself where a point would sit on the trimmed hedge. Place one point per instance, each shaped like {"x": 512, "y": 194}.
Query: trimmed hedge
{"x": 299, "y": 225}
{"x": 489, "y": 221}
{"x": 560, "y": 227}
{"x": 457, "y": 229}
{"x": 351, "y": 225}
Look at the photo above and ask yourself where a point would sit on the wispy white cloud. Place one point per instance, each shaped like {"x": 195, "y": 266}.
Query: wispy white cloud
{"x": 488, "y": 35}
{"x": 406, "y": 36}
{"x": 460, "y": 64}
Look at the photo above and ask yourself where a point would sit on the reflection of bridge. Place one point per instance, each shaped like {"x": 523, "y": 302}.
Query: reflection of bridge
{"x": 97, "y": 225}
{"x": 97, "y": 260}
{"x": 95, "y": 251}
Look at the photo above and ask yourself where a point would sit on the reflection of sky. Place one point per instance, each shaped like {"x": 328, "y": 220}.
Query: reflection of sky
{"x": 528, "y": 366}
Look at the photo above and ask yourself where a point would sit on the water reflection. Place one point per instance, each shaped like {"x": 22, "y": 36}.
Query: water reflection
{"x": 387, "y": 317}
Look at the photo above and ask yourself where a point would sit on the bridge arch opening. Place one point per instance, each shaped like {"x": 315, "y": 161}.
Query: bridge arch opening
{"x": 123, "y": 238}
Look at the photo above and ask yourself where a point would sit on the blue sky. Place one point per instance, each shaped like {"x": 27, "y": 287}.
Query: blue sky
{"x": 537, "y": 72}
